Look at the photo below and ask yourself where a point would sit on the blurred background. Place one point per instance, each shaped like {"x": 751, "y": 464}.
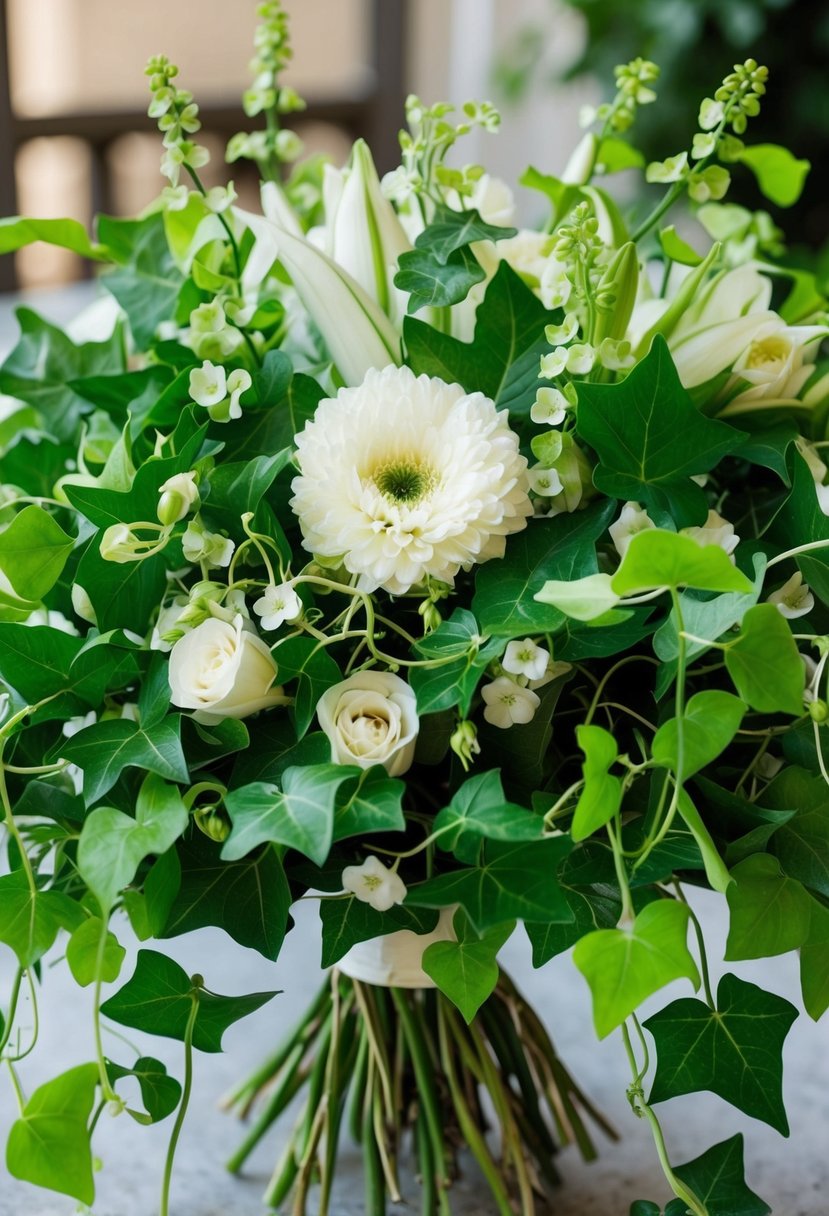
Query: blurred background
{"x": 75, "y": 139}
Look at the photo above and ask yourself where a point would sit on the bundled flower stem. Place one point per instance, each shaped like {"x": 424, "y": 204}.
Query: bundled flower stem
{"x": 413, "y": 1084}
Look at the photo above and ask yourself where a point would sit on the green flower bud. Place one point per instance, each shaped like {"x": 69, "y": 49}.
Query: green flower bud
{"x": 464, "y": 743}
{"x": 213, "y": 822}
{"x": 818, "y": 710}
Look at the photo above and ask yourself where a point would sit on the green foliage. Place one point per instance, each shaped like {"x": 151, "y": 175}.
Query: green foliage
{"x": 650, "y": 439}
{"x": 466, "y": 970}
{"x": 764, "y": 663}
{"x": 158, "y": 999}
{"x": 49, "y": 1144}
{"x": 717, "y": 1178}
{"x": 601, "y": 797}
{"x": 33, "y": 552}
{"x": 512, "y": 881}
{"x": 735, "y": 1050}
{"x": 658, "y": 558}
{"x": 160, "y": 1093}
{"x": 624, "y": 966}
{"x": 770, "y": 913}
{"x": 112, "y": 844}
{"x": 84, "y": 950}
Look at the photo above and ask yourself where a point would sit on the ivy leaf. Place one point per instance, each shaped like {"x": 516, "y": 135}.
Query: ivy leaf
{"x": 735, "y": 1050}
{"x": 450, "y": 230}
{"x": 160, "y": 1093}
{"x": 43, "y": 364}
{"x": 106, "y": 748}
{"x": 509, "y": 325}
{"x": 453, "y": 682}
{"x": 300, "y": 815}
{"x": 707, "y": 618}
{"x": 273, "y": 748}
{"x": 29, "y": 922}
{"x": 514, "y": 882}
{"x": 158, "y": 999}
{"x": 345, "y": 922}
{"x": 624, "y": 966}
{"x": 658, "y": 558}
{"x": 765, "y": 664}
{"x": 33, "y": 552}
{"x": 123, "y": 595}
{"x": 112, "y": 845}
{"x": 480, "y": 808}
{"x": 249, "y": 898}
{"x": 709, "y": 724}
{"x": 82, "y": 954}
{"x": 466, "y": 970}
{"x": 374, "y": 804}
{"x": 146, "y": 282}
{"x": 651, "y": 439}
{"x": 801, "y": 844}
{"x": 593, "y": 907}
{"x": 49, "y": 1144}
{"x": 149, "y": 908}
{"x": 432, "y": 283}
{"x": 814, "y": 964}
{"x": 561, "y": 548}
{"x": 304, "y": 660}
{"x": 770, "y": 913}
{"x": 601, "y": 797}
{"x": 717, "y": 1178}
{"x": 800, "y": 521}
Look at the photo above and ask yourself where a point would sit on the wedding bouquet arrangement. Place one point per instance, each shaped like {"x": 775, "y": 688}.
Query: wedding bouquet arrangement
{"x": 468, "y": 579}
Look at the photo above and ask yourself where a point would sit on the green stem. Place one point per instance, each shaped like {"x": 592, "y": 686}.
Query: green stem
{"x": 14, "y": 831}
{"x": 35, "y": 1018}
{"x": 13, "y": 999}
{"x": 641, "y": 1108}
{"x": 164, "y": 1209}
{"x": 18, "y": 1092}
{"x": 703, "y": 956}
{"x": 106, "y": 1086}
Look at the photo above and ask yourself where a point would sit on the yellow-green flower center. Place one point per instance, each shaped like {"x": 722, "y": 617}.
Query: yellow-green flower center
{"x": 403, "y": 482}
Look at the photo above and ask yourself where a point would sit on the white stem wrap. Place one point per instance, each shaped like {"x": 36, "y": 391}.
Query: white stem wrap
{"x": 394, "y": 961}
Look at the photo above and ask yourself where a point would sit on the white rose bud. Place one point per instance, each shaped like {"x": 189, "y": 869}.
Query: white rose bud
{"x": 222, "y": 670}
{"x": 371, "y": 718}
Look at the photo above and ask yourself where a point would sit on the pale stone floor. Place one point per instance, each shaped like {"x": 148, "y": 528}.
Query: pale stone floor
{"x": 793, "y": 1175}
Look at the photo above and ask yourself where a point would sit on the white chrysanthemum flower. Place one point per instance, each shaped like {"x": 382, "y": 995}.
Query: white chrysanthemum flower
{"x": 375, "y": 884}
{"x": 525, "y": 658}
{"x": 406, "y": 478}
{"x": 508, "y": 704}
{"x": 794, "y": 598}
{"x": 277, "y": 605}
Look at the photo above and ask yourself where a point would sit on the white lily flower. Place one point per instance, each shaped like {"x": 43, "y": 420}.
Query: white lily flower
{"x": 365, "y": 237}
{"x": 525, "y": 658}
{"x": 358, "y": 334}
{"x": 375, "y": 884}
{"x": 794, "y": 598}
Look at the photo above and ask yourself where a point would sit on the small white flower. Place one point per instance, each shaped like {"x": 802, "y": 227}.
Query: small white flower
{"x": 208, "y": 384}
{"x": 560, "y": 335}
{"x": 277, "y": 605}
{"x": 375, "y": 884}
{"x": 208, "y": 318}
{"x": 615, "y": 356}
{"x": 794, "y": 598}
{"x": 220, "y": 198}
{"x": 633, "y": 519}
{"x": 168, "y": 618}
{"x": 238, "y": 382}
{"x": 550, "y": 407}
{"x": 82, "y": 604}
{"x": 175, "y": 198}
{"x": 556, "y": 288}
{"x": 199, "y": 545}
{"x": 508, "y": 704}
{"x": 580, "y": 358}
{"x": 553, "y": 364}
{"x": 526, "y": 659}
{"x": 715, "y": 531}
{"x": 554, "y": 670}
{"x": 545, "y": 482}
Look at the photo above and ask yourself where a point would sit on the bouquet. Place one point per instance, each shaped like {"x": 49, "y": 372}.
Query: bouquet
{"x": 455, "y": 575}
